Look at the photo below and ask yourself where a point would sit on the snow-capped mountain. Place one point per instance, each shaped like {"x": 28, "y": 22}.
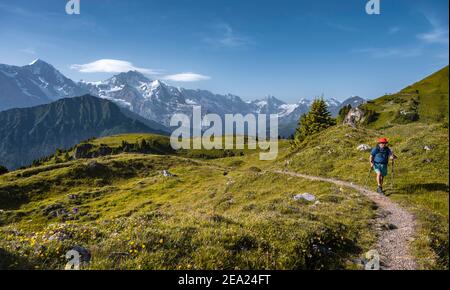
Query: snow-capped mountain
{"x": 158, "y": 101}
{"x": 40, "y": 83}
{"x": 34, "y": 84}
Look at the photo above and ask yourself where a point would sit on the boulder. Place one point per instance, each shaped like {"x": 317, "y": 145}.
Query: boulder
{"x": 305, "y": 196}
{"x": 354, "y": 117}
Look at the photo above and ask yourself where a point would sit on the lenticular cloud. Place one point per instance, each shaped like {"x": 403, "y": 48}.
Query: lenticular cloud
{"x": 110, "y": 66}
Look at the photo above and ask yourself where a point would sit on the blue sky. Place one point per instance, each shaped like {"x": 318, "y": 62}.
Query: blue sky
{"x": 251, "y": 48}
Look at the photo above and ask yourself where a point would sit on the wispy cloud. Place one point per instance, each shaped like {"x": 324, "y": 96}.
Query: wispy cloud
{"x": 29, "y": 50}
{"x": 438, "y": 33}
{"x": 111, "y": 66}
{"x": 342, "y": 27}
{"x": 186, "y": 77}
{"x": 227, "y": 37}
{"x": 389, "y": 52}
{"x": 394, "y": 30}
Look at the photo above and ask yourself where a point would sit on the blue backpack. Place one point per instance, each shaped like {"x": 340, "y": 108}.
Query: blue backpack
{"x": 381, "y": 156}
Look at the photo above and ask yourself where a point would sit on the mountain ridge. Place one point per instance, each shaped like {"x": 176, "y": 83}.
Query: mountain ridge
{"x": 27, "y": 134}
{"x": 152, "y": 99}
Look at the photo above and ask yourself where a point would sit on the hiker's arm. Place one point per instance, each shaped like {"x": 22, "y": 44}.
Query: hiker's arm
{"x": 371, "y": 160}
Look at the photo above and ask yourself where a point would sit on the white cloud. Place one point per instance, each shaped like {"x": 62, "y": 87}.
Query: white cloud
{"x": 186, "y": 77}
{"x": 110, "y": 66}
{"x": 437, "y": 35}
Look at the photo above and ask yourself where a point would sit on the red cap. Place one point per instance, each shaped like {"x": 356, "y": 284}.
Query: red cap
{"x": 383, "y": 140}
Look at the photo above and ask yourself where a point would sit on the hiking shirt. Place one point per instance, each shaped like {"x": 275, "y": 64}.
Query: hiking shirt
{"x": 381, "y": 155}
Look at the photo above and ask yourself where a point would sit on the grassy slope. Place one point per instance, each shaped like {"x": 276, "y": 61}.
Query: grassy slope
{"x": 431, "y": 94}
{"x": 422, "y": 187}
{"x": 421, "y": 177}
{"x": 131, "y": 217}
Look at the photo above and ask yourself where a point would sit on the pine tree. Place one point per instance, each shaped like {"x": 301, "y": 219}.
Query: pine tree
{"x": 317, "y": 120}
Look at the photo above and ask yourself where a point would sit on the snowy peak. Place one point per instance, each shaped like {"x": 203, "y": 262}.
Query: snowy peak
{"x": 131, "y": 78}
{"x": 34, "y": 84}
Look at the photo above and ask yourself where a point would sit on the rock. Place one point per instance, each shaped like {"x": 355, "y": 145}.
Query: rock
{"x": 428, "y": 160}
{"x": 54, "y": 210}
{"x": 85, "y": 255}
{"x": 305, "y": 196}
{"x": 83, "y": 151}
{"x": 427, "y": 148}
{"x": 166, "y": 173}
{"x": 364, "y": 147}
{"x": 354, "y": 117}
{"x": 389, "y": 227}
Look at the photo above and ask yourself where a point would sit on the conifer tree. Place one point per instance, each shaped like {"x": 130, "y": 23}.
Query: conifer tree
{"x": 316, "y": 120}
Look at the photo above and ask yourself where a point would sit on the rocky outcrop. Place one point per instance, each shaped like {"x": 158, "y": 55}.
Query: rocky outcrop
{"x": 83, "y": 151}
{"x": 354, "y": 117}
{"x": 87, "y": 150}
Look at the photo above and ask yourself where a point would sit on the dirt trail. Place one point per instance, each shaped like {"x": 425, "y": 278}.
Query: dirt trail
{"x": 395, "y": 226}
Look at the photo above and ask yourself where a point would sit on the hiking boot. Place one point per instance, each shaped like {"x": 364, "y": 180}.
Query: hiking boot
{"x": 380, "y": 190}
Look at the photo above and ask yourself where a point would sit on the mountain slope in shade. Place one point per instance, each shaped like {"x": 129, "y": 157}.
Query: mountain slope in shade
{"x": 34, "y": 84}
{"x": 31, "y": 133}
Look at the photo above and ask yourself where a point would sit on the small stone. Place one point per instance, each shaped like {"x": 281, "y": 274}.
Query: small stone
{"x": 427, "y": 148}
{"x": 364, "y": 147}
{"x": 305, "y": 196}
{"x": 166, "y": 173}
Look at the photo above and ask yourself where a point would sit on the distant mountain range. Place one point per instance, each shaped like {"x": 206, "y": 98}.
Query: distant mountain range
{"x": 30, "y": 133}
{"x": 40, "y": 83}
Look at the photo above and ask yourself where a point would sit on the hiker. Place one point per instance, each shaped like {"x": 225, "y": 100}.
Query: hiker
{"x": 379, "y": 160}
